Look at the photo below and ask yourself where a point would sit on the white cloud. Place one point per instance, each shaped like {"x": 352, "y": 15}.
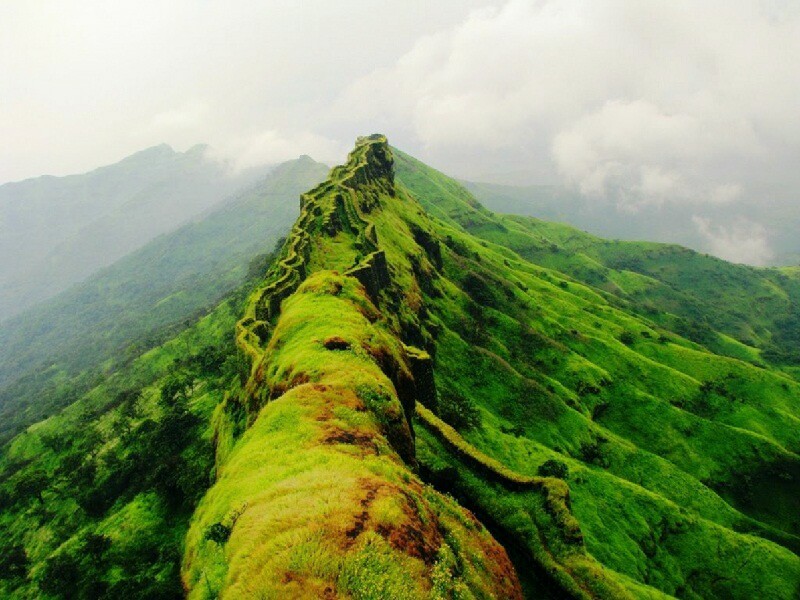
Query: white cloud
{"x": 271, "y": 147}
{"x": 642, "y": 103}
{"x": 646, "y": 102}
{"x": 85, "y": 83}
{"x": 639, "y": 154}
{"x": 191, "y": 114}
{"x": 742, "y": 242}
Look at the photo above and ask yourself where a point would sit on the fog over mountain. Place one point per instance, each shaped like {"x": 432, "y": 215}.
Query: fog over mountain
{"x": 56, "y": 231}
{"x": 675, "y": 112}
{"x": 139, "y": 299}
{"x": 399, "y": 300}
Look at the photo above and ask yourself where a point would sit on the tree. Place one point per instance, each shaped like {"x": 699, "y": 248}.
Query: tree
{"x": 553, "y": 468}
{"x": 61, "y": 576}
{"x": 13, "y": 562}
{"x": 96, "y": 545}
{"x": 217, "y": 533}
{"x": 176, "y": 386}
{"x": 31, "y": 484}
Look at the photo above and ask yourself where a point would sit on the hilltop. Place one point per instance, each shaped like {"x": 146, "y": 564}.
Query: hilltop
{"x": 668, "y": 222}
{"x": 426, "y": 399}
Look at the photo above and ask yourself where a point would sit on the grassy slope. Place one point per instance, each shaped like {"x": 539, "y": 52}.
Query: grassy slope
{"x": 118, "y": 473}
{"x": 142, "y": 299}
{"x": 658, "y": 435}
{"x": 758, "y": 308}
{"x": 667, "y": 222}
{"x": 609, "y": 456}
{"x": 56, "y": 231}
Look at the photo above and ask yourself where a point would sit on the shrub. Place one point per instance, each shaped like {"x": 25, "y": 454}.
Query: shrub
{"x": 31, "y": 484}
{"x": 13, "y": 562}
{"x": 585, "y": 388}
{"x": 218, "y": 533}
{"x": 627, "y": 338}
{"x": 176, "y": 386}
{"x": 594, "y": 453}
{"x": 459, "y": 412}
{"x": 553, "y": 468}
{"x": 61, "y": 576}
{"x": 96, "y": 545}
{"x": 478, "y": 289}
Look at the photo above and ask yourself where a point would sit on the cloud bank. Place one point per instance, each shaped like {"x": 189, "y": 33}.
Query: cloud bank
{"x": 741, "y": 242}
{"x": 638, "y": 104}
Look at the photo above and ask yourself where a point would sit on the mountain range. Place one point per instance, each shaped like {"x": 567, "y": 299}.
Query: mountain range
{"x": 758, "y": 231}
{"x": 416, "y": 397}
{"x": 67, "y": 342}
{"x": 56, "y": 231}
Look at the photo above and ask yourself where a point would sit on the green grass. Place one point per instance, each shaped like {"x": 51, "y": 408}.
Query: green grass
{"x": 68, "y": 344}
{"x": 579, "y": 441}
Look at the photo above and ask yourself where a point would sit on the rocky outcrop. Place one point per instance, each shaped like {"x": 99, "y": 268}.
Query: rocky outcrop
{"x": 373, "y": 273}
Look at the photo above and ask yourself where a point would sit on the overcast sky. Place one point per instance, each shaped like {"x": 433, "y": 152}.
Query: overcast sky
{"x": 650, "y": 102}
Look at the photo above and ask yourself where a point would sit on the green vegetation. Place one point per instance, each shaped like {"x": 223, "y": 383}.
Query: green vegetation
{"x": 665, "y": 222}
{"x": 65, "y": 346}
{"x": 56, "y": 231}
{"x": 318, "y": 494}
{"x": 426, "y": 399}
{"x": 735, "y": 310}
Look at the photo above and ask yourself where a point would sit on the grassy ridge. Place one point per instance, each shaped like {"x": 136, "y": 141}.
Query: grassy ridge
{"x": 317, "y": 498}
{"x": 314, "y": 499}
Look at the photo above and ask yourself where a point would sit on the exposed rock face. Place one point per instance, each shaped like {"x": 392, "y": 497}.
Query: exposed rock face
{"x": 335, "y": 342}
{"x": 373, "y": 273}
{"x": 424, "y": 383}
{"x": 429, "y": 244}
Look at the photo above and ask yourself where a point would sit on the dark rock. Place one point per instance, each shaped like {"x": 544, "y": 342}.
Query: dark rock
{"x": 373, "y": 273}
{"x": 336, "y": 343}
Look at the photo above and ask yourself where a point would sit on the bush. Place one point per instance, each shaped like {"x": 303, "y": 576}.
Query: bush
{"x": 459, "y": 412}
{"x": 478, "y": 289}
{"x": 61, "y": 576}
{"x": 176, "y": 386}
{"x": 217, "y": 533}
{"x": 594, "y": 453}
{"x": 553, "y": 468}
{"x": 29, "y": 485}
{"x": 96, "y": 545}
{"x": 627, "y": 338}
{"x": 13, "y": 562}
{"x": 208, "y": 361}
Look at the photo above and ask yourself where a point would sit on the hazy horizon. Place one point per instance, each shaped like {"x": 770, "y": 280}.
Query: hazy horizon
{"x": 537, "y": 338}
{"x": 683, "y": 108}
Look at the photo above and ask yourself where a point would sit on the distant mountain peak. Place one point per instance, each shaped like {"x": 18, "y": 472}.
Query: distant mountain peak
{"x": 197, "y": 150}
{"x": 153, "y": 151}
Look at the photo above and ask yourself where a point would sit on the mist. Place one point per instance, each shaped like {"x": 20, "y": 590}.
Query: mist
{"x": 639, "y": 107}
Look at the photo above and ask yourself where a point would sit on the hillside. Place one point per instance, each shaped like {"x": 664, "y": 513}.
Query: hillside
{"x": 737, "y": 310}
{"x": 141, "y": 299}
{"x": 415, "y": 408}
{"x": 773, "y": 207}
{"x": 55, "y": 231}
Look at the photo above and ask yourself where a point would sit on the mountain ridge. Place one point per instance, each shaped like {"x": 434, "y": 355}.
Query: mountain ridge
{"x": 56, "y": 231}
{"x": 419, "y": 406}
{"x": 144, "y": 294}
